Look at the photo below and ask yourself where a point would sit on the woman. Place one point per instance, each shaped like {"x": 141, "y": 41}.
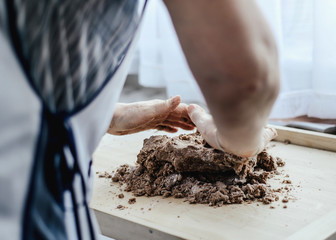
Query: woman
{"x": 63, "y": 65}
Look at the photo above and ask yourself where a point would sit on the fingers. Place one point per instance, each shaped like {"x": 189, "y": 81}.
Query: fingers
{"x": 177, "y": 118}
{"x": 198, "y": 116}
{"x": 178, "y": 124}
{"x": 172, "y": 103}
{"x": 181, "y": 112}
{"x": 269, "y": 134}
{"x": 166, "y": 129}
{"x": 166, "y": 115}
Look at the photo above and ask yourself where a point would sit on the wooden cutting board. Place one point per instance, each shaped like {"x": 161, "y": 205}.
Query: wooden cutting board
{"x": 312, "y": 215}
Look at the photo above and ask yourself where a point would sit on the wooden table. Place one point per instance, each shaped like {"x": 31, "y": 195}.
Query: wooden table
{"x": 311, "y": 216}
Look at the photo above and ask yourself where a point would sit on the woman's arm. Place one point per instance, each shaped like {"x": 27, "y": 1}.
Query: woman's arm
{"x": 233, "y": 57}
{"x": 154, "y": 114}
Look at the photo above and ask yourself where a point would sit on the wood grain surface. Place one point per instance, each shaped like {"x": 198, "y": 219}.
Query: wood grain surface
{"x": 311, "y": 214}
{"x": 306, "y": 138}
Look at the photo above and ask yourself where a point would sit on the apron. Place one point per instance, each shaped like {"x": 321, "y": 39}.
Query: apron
{"x": 63, "y": 64}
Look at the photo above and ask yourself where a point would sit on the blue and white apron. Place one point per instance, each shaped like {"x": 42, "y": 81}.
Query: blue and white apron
{"x": 62, "y": 67}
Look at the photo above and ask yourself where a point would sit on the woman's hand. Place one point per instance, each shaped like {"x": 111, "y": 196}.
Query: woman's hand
{"x": 208, "y": 130}
{"x": 162, "y": 115}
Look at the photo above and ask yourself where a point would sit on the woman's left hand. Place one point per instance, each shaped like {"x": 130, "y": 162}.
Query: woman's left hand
{"x": 162, "y": 115}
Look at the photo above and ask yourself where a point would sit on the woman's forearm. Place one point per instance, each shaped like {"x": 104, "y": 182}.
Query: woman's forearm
{"x": 233, "y": 57}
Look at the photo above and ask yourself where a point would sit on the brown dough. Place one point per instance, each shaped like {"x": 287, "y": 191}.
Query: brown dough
{"x": 190, "y": 153}
{"x": 187, "y": 167}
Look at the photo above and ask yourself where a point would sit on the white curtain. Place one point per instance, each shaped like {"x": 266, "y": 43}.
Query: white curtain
{"x": 161, "y": 60}
{"x": 305, "y": 31}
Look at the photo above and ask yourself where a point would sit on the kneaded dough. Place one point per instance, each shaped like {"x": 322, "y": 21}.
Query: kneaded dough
{"x": 190, "y": 153}
{"x": 187, "y": 167}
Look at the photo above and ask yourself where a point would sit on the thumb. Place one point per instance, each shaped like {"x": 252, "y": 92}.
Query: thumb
{"x": 203, "y": 121}
{"x": 172, "y": 103}
{"x": 204, "y": 124}
{"x": 196, "y": 114}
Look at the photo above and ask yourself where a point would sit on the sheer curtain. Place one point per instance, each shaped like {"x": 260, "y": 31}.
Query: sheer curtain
{"x": 306, "y": 37}
{"x": 161, "y": 60}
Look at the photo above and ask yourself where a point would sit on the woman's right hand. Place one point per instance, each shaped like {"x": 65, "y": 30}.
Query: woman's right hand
{"x": 206, "y": 126}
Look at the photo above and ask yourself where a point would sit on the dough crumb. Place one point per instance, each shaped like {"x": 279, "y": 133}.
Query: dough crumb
{"x": 121, "y": 207}
{"x": 105, "y": 175}
{"x": 280, "y": 162}
{"x": 131, "y": 200}
{"x": 287, "y": 181}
